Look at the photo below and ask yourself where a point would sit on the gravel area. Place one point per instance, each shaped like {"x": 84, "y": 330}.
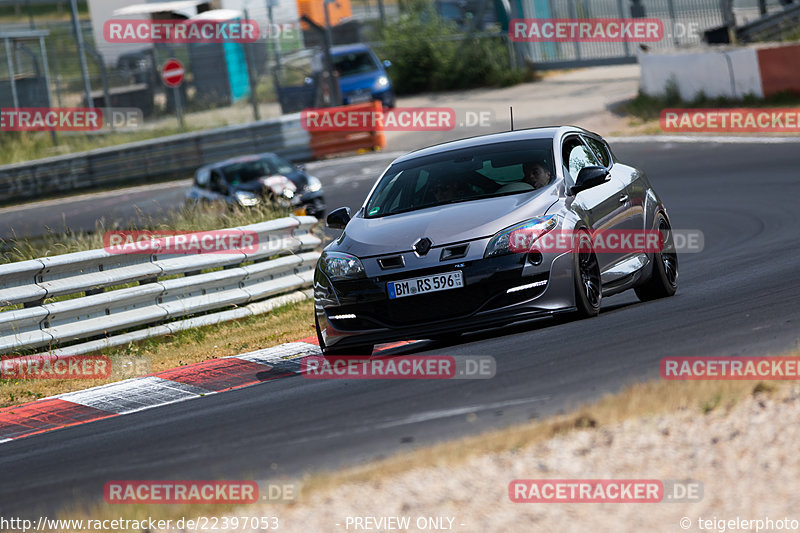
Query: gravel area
{"x": 744, "y": 457}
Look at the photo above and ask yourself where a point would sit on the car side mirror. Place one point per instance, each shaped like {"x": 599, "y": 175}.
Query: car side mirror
{"x": 589, "y": 177}
{"x": 338, "y": 218}
{"x": 387, "y": 63}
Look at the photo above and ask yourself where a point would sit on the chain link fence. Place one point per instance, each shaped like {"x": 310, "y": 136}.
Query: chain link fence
{"x": 235, "y": 84}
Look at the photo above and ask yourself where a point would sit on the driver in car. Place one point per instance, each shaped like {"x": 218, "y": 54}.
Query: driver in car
{"x": 536, "y": 174}
{"x": 445, "y": 191}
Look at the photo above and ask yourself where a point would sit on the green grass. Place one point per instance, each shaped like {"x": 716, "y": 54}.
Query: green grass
{"x": 22, "y": 13}
{"x": 16, "y": 147}
{"x": 190, "y": 218}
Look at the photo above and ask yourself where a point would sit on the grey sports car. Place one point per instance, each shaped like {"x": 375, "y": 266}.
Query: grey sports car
{"x": 434, "y": 250}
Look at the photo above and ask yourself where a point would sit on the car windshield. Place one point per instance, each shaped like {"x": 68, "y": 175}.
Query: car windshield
{"x": 245, "y": 171}
{"x": 462, "y": 175}
{"x": 278, "y": 165}
{"x": 354, "y": 63}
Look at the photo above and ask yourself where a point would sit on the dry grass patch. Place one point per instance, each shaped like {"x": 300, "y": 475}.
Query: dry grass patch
{"x": 638, "y": 401}
{"x": 285, "y": 324}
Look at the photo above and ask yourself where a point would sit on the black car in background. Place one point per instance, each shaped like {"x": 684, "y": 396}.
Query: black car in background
{"x": 249, "y": 180}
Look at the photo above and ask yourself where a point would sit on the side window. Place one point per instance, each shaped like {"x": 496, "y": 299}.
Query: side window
{"x": 217, "y": 182}
{"x": 202, "y": 178}
{"x": 600, "y": 150}
{"x": 577, "y": 155}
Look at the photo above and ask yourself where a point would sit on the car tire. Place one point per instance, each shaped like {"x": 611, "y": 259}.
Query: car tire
{"x": 663, "y": 281}
{"x": 365, "y": 349}
{"x": 588, "y": 287}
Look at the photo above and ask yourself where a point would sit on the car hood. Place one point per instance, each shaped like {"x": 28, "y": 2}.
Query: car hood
{"x": 356, "y": 82}
{"x": 298, "y": 177}
{"x": 253, "y": 186}
{"x": 365, "y": 237}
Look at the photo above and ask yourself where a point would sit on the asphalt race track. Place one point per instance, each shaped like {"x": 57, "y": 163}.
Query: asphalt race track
{"x": 738, "y": 297}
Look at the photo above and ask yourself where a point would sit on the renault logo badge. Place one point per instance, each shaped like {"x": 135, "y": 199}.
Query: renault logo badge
{"x": 422, "y": 246}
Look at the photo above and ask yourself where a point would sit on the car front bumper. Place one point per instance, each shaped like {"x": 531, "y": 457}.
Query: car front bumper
{"x": 484, "y": 301}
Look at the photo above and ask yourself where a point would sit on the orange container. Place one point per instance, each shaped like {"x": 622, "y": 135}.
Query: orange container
{"x": 315, "y": 10}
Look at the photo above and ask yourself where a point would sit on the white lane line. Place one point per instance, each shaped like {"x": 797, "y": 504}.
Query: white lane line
{"x": 449, "y": 413}
{"x": 420, "y": 417}
{"x": 5, "y": 440}
{"x": 134, "y": 395}
{"x": 703, "y": 139}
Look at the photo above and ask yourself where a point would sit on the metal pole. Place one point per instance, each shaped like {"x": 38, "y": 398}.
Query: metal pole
{"x": 248, "y": 55}
{"x": 626, "y": 46}
{"x": 30, "y": 14}
{"x": 336, "y": 94}
{"x": 671, "y": 8}
{"x": 178, "y": 107}
{"x": 46, "y": 67}
{"x": 103, "y": 77}
{"x": 11, "y": 75}
{"x": 382, "y": 11}
{"x": 276, "y": 43}
{"x": 573, "y": 15}
{"x": 81, "y": 53}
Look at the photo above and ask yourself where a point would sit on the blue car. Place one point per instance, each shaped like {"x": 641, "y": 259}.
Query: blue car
{"x": 362, "y": 76}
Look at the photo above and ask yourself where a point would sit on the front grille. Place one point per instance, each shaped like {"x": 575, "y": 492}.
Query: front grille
{"x": 436, "y": 306}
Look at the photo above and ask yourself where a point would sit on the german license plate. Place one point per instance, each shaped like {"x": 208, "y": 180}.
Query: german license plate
{"x": 360, "y": 97}
{"x": 425, "y": 284}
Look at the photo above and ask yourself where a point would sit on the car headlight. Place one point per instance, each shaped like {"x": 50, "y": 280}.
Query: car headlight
{"x": 313, "y": 184}
{"x": 520, "y": 237}
{"x": 246, "y": 199}
{"x": 339, "y": 265}
{"x": 382, "y": 82}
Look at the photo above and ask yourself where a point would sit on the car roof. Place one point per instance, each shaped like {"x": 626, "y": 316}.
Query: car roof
{"x": 549, "y": 132}
{"x": 234, "y": 160}
{"x": 349, "y": 48}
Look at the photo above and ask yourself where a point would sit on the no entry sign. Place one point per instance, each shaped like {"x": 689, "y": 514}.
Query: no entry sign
{"x": 172, "y": 73}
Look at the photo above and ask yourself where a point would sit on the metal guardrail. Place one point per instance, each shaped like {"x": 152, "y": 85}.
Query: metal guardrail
{"x": 770, "y": 27}
{"x": 167, "y": 287}
{"x": 158, "y": 159}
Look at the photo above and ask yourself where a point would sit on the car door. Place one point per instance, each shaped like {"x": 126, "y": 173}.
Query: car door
{"x": 603, "y": 205}
{"x": 218, "y": 189}
{"x": 634, "y": 195}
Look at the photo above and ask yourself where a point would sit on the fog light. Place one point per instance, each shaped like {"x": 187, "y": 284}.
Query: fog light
{"x": 342, "y": 317}
{"x": 535, "y": 257}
